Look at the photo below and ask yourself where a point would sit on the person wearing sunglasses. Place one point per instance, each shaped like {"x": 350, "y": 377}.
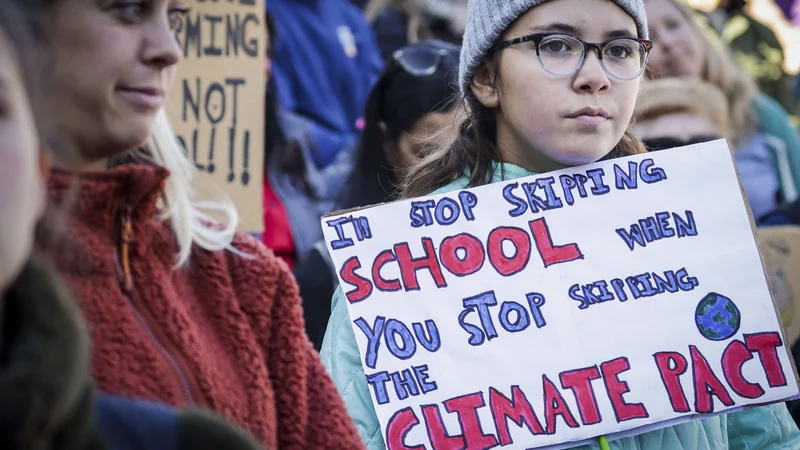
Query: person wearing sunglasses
{"x": 675, "y": 112}
{"x": 409, "y": 112}
{"x": 549, "y": 84}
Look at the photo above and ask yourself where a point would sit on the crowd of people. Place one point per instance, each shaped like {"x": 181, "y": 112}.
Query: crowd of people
{"x": 134, "y": 314}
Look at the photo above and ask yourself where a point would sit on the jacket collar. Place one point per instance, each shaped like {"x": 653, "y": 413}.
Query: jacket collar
{"x": 97, "y": 197}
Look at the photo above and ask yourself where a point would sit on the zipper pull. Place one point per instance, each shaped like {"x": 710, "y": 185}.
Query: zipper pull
{"x": 127, "y": 240}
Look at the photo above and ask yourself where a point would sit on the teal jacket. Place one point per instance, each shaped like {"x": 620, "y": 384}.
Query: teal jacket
{"x": 768, "y": 427}
{"x": 783, "y": 142}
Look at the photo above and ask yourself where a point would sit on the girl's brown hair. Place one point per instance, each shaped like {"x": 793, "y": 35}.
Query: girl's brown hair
{"x": 475, "y": 153}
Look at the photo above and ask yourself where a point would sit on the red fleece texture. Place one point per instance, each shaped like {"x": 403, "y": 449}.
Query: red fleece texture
{"x": 234, "y": 323}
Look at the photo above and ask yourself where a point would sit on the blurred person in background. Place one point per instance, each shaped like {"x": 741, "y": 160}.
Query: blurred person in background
{"x": 296, "y": 194}
{"x": 767, "y": 147}
{"x": 410, "y": 111}
{"x": 756, "y": 49}
{"x": 324, "y": 66}
{"x": 673, "y": 112}
{"x": 182, "y": 309}
{"x": 398, "y": 23}
{"x": 49, "y": 400}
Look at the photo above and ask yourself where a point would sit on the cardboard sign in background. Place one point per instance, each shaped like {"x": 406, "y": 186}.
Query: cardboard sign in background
{"x": 608, "y": 299}
{"x": 216, "y": 105}
{"x": 780, "y": 249}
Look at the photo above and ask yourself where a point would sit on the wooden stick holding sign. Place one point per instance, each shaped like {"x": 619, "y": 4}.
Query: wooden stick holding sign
{"x": 550, "y": 311}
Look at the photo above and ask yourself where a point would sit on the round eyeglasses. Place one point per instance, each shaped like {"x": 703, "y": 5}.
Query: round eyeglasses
{"x": 423, "y": 61}
{"x": 560, "y": 54}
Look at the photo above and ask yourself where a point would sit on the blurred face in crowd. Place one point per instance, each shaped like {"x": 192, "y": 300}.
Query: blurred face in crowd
{"x": 431, "y": 131}
{"x": 546, "y": 121}
{"x": 677, "y": 47}
{"x": 113, "y": 62}
{"x": 22, "y": 193}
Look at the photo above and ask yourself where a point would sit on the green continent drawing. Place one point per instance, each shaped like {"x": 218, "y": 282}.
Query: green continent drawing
{"x": 717, "y": 317}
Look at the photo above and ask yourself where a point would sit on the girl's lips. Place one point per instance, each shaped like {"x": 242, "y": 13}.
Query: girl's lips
{"x": 589, "y": 119}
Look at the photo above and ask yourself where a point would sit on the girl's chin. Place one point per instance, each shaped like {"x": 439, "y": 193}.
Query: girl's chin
{"x": 578, "y": 154}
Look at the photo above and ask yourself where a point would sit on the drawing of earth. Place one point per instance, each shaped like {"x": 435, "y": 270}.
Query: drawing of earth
{"x": 717, "y": 317}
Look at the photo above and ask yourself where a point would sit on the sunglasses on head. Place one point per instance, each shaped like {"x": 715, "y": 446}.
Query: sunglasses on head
{"x": 665, "y": 143}
{"x": 423, "y": 61}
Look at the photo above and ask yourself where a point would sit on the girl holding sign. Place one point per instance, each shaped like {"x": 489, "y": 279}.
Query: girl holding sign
{"x": 549, "y": 84}
{"x": 181, "y": 310}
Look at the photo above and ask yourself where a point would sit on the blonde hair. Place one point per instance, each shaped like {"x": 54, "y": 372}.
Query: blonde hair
{"x": 211, "y": 224}
{"x": 720, "y": 70}
{"x": 692, "y": 95}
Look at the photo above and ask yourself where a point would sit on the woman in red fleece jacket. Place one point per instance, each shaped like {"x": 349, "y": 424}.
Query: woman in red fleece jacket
{"x": 179, "y": 311}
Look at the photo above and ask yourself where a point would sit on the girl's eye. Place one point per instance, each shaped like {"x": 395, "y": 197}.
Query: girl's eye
{"x": 130, "y": 11}
{"x": 555, "y": 45}
{"x": 672, "y": 24}
{"x": 176, "y": 17}
{"x": 620, "y": 51}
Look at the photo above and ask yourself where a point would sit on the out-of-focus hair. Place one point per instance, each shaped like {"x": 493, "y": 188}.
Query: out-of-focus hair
{"x": 211, "y": 224}
{"x": 679, "y": 95}
{"x": 721, "y": 70}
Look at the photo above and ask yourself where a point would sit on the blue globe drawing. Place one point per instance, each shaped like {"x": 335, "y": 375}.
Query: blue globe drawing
{"x": 717, "y": 317}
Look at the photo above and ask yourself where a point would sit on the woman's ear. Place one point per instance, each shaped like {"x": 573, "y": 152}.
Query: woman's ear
{"x": 484, "y": 87}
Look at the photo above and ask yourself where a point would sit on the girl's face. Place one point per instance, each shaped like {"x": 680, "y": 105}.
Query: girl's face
{"x": 678, "y": 49}
{"x": 546, "y": 122}
{"x": 22, "y": 193}
{"x": 113, "y": 62}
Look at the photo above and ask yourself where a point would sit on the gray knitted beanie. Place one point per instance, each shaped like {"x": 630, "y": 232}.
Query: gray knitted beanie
{"x": 488, "y": 19}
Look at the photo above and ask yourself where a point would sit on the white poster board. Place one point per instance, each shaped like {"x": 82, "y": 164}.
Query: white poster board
{"x": 608, "y": 299}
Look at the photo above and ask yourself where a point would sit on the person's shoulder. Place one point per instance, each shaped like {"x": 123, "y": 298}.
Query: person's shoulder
{"x": 128, "y": 424}
{"x": 256, "y": 271}
{"x": 246, "y": 262}
{"x": 502, "y": 172}
{"x": 769, "y": 112}
{"x": 250, "y": 254}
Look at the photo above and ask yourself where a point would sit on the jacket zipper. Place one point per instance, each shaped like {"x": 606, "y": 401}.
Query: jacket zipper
{"x": 187, "y": 384}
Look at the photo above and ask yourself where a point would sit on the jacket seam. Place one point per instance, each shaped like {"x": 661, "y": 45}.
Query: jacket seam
{"x": 783, "y": 166}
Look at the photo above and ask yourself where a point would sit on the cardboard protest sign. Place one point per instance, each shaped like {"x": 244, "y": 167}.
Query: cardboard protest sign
{"x": 608, "y": 299}
{"x": 217, "y": 103}
{"x": 780, "y": 249}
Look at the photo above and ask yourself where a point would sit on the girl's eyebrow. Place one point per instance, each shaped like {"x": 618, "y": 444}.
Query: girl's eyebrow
{"x": 573, "y": 30}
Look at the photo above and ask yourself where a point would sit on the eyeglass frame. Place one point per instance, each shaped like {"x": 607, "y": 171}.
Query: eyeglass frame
{"x": 537, "y": 39}
{"x": 439, "y": 53}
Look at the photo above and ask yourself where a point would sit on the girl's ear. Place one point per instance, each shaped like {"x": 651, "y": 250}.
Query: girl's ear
{"x": 484, "y": 87}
